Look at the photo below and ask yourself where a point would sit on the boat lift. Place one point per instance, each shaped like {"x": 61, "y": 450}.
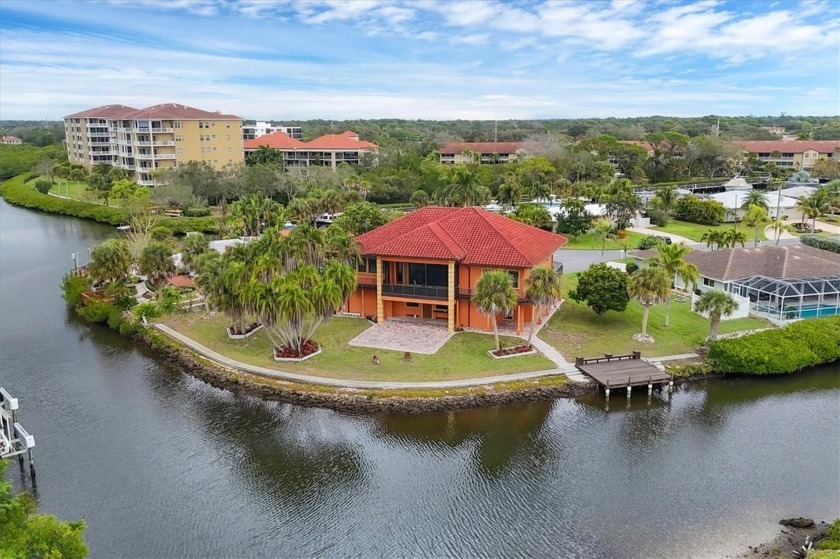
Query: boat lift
{"x": 14, "y": 440}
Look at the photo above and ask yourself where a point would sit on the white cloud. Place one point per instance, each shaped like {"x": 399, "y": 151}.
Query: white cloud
{"x": 473, "y": 39}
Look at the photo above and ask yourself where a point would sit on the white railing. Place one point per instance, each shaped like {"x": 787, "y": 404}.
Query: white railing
{"x": 164, "y": 156}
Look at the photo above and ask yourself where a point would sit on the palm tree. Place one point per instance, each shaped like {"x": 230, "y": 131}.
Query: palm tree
{"x": 543, "y": 288}
{"x": 109, "y": 261}
{"x": 602, "y": 230}
{"x": 755, "y": 217}
{"x": 494, "y": 294}
{"x": 649, "y": 286}
{"x": 540, "y": 191}
{"x": 731, "y": 237}
{"x": 671, "y": 258}
{"x": 717, "y": 304}
{"x": 300, "y": 209}
{"x": 813, "y": 206}
{"x": 156, "y": 262}
{"x": 510, "y": 191}
{"x": 342, "y": 246}
{"x": 463, "y": 189}
{"x": 754, "y": 198}
{"x": 665, "y": 198}
{"x": 778, "y": 227}
{"x": 194, "y": 246}
{"x": 265, "y": 155}
{"x": 419, "y": 198}
{"x": 713, "y": 238}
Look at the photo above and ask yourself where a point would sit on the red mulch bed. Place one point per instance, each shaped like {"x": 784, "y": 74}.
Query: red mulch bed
{"x": 248, "y": 329}
{"x": 513, "y": 350}
{"x": 308, "y": 348}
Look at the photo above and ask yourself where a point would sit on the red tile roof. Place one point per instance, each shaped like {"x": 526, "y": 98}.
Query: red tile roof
{"x": 181, "y": 281}
{"x": 275, "y": 140}
{"x": 174, "y": 111}
{"x": 470, "y": 235}
{"x": 485, "y": 148}
{"x": 789, "y": 146}
{"x": 348, "y": 140}
{"x": 105, "y": 111}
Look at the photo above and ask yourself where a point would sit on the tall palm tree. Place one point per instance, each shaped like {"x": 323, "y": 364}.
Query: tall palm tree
{"x": 109, "y": 261}
{"x": 665, "y": 198}
{"x": 649, "y": 286}
{"x": 463, "y": 189}
{"x": 814, "y": 206}
{"x": 671, "y": 258}
{"x": 755, "y": 217}
{"x": 543, "y": 288}
{"x": 540, "y": 191}
{"x": 754, "y": 198}
{"x": 494, "y": 294}
{"x": 510, "y": 191}
{"x": 717, "y": 304}
{"x": 779, "y": 226}
{"x": 194, "y": 246}
{"x": 713, "y": 239}
{"x": 342, "y": 246}
{"x": 602, "y": 230}
{"x": 731, "y": 237}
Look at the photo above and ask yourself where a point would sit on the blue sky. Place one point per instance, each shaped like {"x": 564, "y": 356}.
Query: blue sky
{"x": 437, "y": 59}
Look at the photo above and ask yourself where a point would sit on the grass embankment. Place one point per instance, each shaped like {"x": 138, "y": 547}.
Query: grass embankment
{"x": 589, "y": 242}
{"x": 463, "y": 356}
{"x": 695, "y": 231}
{"x": 576, "y": 331}
{"x": 17, "y": 191}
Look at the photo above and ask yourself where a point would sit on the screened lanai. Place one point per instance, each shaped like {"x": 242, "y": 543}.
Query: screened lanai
{"x": 782, "y": 300}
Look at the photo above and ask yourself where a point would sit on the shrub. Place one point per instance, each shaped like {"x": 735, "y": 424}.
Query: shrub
{"x": 196, "y": 212}
{"x": 832, "y": 538}
{"x": 161, "y": 233}
{"x": 147, "y": 310}
{"x": 602, "y": 289}
{"x": 632, "y": 268}
{"x": 803, "y": 344}
{"x": 43, "y": 185}
{"x": 72, "y": 287}
{"x": 651, "y": 241}
{"x": 821, "y": 242}
{"x": 696, "y": 210}
{"x": 97, "y": 311}
{"x": 658, "y": 217}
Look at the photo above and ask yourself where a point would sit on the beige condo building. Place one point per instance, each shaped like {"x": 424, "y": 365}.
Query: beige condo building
{"x": 145, "y": 141}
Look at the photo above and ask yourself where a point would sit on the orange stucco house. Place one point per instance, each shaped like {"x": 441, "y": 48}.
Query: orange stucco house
{"x": 426, "y": 265}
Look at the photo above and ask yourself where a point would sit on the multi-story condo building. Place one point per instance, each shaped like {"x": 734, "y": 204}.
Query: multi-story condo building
{"x": 328, "y": 150}
{"x": 485, "y": 153}
{"x": 797, "y": 154}
{"x": 252, "y": 131}
{"x": 143, "y": 141}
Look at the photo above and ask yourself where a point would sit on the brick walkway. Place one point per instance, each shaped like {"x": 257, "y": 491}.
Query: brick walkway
{"x": 400, "y": 335}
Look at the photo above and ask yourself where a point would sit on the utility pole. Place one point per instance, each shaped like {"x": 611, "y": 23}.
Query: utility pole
{"x": 496, "y": 131}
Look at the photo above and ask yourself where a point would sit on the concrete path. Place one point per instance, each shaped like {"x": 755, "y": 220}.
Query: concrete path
{"x": 770, "y": 233}
{"x": 828, "y": 227}
{"x": 679, "y": 357}
{"x": 341, "y": 383}
{"x": 659, "y": 233}
{"x": 579, "y": 260}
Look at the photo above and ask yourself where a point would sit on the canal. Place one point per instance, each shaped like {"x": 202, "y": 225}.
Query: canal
{"x": 162, "y": 465}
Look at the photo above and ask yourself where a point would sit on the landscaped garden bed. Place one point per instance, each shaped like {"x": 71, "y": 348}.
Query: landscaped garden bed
{"x": 249, "y": 330}
{"x": 515, "y": 351}
{"x": 308, "y": 348}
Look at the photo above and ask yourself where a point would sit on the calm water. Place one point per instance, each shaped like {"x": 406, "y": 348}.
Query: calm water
{"x": 161, "y": 465}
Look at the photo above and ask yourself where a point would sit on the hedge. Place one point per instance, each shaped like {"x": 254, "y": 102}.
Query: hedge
{"x": 821, "y": 242}
{"x": 17, "y": 192}
{"x": 783, "y": 350}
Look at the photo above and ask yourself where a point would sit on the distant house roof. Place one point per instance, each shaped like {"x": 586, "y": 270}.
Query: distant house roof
{"x": 164, "y": 111}
{"x": 105, "y": 111}
{"x": 181, "y": 281}
{"x": 348, "y": 140}
{"x": 780, "y": 262}
{"x": 737, "y": 183}
{"x": 470, "y": 235}
{"x": 798, "y": 191}
{"x": 484, "y": 148}
{"x": 733, "y": 199}
{"x": 275, "y": 140}
{"x": 789, "y": 146}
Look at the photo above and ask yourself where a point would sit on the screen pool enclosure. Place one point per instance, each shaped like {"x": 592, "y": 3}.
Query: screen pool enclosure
{"x": 783, "y": 300}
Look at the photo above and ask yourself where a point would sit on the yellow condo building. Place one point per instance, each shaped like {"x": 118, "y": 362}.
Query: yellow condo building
{"x": 142, "y": 141}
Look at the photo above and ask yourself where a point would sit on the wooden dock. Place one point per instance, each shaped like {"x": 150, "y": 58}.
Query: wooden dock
{"x": 623, "y": 371}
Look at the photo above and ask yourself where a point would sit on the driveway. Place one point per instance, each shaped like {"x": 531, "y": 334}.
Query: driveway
{"x": 658, "y": 233}
{"x": 579, "y": 260}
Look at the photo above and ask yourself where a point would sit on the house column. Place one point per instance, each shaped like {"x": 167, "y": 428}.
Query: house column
{"x": 518, "y": 320}
{"x": 451, "y": 283}
{"x": 380, "y": 308}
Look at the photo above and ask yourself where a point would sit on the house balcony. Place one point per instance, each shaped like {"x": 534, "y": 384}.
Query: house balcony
{"x": 161, "y": 130}
{"x": 147, "y": 156}
{"x": 99, "y": 134}
{"x": 164, "y": 156}
{"x": 418, "y": 291}
{"x": 146, "y": 144}
{"x": 163, "y": 142}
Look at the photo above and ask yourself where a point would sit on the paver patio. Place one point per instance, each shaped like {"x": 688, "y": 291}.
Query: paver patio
{"x": 402, "y": 335}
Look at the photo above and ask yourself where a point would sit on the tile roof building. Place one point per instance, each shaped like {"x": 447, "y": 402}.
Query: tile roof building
{"x": 328, "y": 150}
{"x": 486, "y": 153}
{"x": 261, "y": 128}
{"x": 143, "y": 141}
{"x": 427, "y": 263}
{"x": 10, "y": 140}
{"x": 796, "y": 154}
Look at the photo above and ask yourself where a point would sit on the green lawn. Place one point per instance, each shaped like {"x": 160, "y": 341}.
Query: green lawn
{"x": 694, "y": 231}
{"x": 77, "y": 190}
{"x": 463, "y": 356}
{"x": 576, "y": 331}
{"x": 589, "y": 242}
